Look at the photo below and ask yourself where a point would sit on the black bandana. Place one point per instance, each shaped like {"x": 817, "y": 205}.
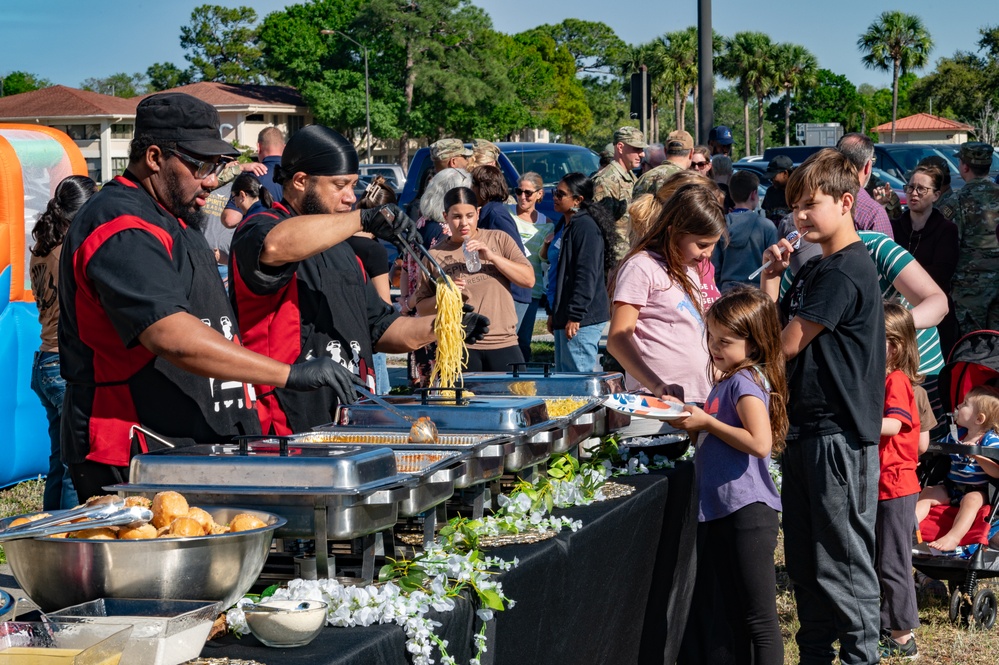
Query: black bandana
{"x": 316, "y": 150}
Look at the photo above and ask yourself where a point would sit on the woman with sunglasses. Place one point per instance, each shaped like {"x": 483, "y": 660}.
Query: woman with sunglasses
{"x": 700, "y": 161}
{"x": 581, "y": 307}
{"x": 534, "y": 227}
{"x": 931, "y": 239}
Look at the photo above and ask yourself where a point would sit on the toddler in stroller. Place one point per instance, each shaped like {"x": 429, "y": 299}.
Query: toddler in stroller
{"x": 957, "y": 528}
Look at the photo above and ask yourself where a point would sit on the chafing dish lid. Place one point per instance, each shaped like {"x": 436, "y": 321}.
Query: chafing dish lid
{"x": 266, "y": 464}
{"x": 539, "y": 379}
{"x": 470, "y": 414}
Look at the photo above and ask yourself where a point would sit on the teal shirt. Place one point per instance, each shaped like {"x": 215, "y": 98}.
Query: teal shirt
{"x": 890, "y": 258}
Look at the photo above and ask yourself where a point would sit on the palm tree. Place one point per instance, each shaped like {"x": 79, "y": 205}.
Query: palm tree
{"x": 796, "y": 69}
{"x": 747, "y": 61}
{"x": 899, "y": 41}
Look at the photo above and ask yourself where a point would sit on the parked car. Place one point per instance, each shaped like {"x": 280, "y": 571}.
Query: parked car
{"x": 897, "y": 185}
{"x": 895, "y": 159}
{"x": 550, "y": 160}
{"x": 949, "y": 150}
{"x": 392, "y": 173}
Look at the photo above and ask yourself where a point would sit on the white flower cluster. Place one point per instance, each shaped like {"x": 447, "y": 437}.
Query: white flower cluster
{"x": 518, "y": 515}
{"x": 776, "y": 474}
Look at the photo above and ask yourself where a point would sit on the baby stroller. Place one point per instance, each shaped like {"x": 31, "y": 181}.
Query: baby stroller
{"x": 974, "y": 361}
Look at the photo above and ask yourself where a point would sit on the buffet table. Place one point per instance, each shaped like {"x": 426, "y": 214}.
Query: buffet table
{"x": 617, "y": 590}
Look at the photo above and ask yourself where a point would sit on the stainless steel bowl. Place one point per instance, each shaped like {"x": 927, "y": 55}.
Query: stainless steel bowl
{"x": 60, "y": 572}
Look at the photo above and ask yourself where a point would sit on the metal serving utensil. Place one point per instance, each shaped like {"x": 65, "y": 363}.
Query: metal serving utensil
{"x": 120, "y": 517}
{"x": 383, "y": 403}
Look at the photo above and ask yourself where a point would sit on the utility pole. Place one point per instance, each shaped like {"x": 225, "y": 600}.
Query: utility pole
{"x": 367, "y": 86}
{"x": 705, "y": 71}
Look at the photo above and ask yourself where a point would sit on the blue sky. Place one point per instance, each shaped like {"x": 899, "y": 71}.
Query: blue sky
{"x": 67, "y": 41}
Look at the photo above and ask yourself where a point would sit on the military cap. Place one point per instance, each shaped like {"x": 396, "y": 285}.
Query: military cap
{"x": 630, "y": 136}
{"x": 448, "y": 148}
{"x": 679, "y": 142}
{"x": 974, "y": 153}
{"x": 484, "y": 147}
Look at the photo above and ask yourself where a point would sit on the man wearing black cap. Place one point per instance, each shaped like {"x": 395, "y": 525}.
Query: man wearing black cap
{"x": 146, "y": 333}
{"x": 774, "y": 204}
{"x": 300, "y": 292}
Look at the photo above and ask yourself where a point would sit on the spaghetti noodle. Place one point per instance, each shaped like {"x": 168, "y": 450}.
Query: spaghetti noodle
{"x": 452, "y": 356}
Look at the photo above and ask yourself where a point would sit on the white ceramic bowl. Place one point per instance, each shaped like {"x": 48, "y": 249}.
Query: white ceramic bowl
{"x": 289, "y": 626}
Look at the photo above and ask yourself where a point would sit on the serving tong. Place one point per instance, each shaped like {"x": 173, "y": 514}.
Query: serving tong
{"x": 408, "y": 248}
{"x": 97, "y": 515}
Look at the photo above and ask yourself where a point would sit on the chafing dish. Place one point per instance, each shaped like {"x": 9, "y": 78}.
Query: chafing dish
{"x": 484, "y": 453}
{"x": 579, "y": 424}
{"x": 525, "y": 420}
{"x": 356, "y": 488}
{"x": 539, "y": 379}
{"x": 436, "y": 472}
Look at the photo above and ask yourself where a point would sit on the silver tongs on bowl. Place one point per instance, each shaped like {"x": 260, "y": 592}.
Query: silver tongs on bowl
{"x": 97, "y": 515}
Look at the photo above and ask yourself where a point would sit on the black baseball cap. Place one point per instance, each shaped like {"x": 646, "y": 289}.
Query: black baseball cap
{"x": 182, "y": 119}
{"x": 779, "y": 164}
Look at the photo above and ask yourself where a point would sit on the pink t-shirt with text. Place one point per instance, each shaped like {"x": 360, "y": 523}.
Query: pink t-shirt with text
{"x": 669, "y": 333}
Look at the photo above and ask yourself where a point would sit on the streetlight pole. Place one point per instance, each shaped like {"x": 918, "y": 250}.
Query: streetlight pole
{"x": 367, "y": 86}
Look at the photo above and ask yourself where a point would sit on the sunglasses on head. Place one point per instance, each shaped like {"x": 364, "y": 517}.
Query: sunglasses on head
{"x": 525, "y": 192}
{"x": 202, "y": 169}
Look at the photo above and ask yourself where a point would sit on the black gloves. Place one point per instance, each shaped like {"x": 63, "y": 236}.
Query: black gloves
{"x": 389, "y": 222}
{"x": 321, "y": 372}
{"x": 475, "y": 325}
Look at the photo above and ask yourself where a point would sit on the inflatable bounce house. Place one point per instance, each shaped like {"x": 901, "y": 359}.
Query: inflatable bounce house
{"x": 33, "y": 160}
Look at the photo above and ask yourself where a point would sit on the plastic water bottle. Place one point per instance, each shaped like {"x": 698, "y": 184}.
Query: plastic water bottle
{"x": 472, "y": 262}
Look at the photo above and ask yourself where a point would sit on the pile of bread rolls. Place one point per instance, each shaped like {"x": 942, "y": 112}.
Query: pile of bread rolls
{"x": 172, "y": 518}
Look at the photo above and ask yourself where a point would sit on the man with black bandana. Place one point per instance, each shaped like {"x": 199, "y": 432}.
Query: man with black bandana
{"x": 300, "y": 292}
{"x": 146, "y": 334}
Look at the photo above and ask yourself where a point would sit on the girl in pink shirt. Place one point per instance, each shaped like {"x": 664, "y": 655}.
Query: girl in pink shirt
{"x": 657, "y": 330}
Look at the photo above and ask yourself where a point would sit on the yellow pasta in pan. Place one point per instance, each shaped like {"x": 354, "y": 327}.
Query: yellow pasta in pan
{"x": 452, "y": 356}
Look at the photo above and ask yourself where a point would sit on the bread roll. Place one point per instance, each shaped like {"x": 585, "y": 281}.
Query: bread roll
{"x": 141, "y": 532}
{"x": 138, "y": 501}
{"x": 245, "y": 522}
{"x": 168, "y": 506}
{"x": 185, "y": 527}
{"x": 28, "y": 519}
{"x": 203, "y": 518}
{"x": 103, "y": 533}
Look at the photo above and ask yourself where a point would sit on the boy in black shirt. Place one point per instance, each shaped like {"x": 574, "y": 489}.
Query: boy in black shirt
{"x": 835, "y": 345}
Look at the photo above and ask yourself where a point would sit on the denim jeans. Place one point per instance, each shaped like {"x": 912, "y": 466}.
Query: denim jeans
{"x": 578, "y": 354}
{"x": 382, "y": 383}
{"x": 525, "y": 328}
{"x": 50, "y": 387}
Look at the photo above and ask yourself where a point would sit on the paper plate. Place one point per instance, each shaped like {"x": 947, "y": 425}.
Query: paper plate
{"x": 645, "y": 406}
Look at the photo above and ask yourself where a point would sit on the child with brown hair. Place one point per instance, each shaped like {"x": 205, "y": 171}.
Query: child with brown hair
{"x": 966, "y": 484}
{"x": 898, "y": 487}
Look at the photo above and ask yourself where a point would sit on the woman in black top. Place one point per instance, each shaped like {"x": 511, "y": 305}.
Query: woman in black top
{"x": 581, "y": 304}
{"x": 931, "y": 239}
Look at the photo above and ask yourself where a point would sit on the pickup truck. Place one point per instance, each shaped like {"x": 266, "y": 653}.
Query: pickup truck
{"x": 551, "y": 160}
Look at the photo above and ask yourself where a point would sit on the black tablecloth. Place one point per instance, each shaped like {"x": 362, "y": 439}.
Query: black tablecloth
{"x": 616, "y": 591}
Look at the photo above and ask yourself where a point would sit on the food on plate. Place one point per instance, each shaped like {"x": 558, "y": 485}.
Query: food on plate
{"x": 168, "y": 506}
{"x": 246, "y": 522}
{"x": 141, "y": 532}
{"x": 451, "y": 352}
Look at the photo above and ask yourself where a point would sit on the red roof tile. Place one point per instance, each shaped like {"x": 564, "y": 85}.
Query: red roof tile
{"x": 230, "y": 94}
{"x": 924, "y": 122}
{"x": 60, "y": 101}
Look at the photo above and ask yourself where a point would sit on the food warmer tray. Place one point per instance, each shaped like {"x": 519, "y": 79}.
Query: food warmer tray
{"x": 436, "y": 472}
{"x": 326, "y": 492}
{"x": 523, "y": 419}
{"x": 483, "y": 462}
{"x": 540, "y": 379}
{"x": 578, "y": 425}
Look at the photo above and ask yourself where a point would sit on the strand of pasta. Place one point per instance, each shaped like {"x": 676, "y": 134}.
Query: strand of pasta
{"x": 452, "y": 355}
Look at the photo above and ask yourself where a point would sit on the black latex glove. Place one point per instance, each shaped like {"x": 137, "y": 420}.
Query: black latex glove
{"x": 389, "y": 222}
{"x": 474, "y": 324}
{"x": 321, "y": 372}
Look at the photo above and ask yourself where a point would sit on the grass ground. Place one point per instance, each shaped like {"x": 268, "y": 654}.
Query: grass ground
{"x": 940, "y": 642}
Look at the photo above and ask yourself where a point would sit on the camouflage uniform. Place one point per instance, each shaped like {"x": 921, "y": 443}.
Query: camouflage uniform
{"x": 947, "y": 200}
{"x": 975, "y": 212}
{"x": 612, "y": 187}
{"x": 651, "y": 181}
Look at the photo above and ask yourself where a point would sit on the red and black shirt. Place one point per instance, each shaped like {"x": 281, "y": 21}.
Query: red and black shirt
{"x": 126, "y": 264}
{"x": 322, "y": 306}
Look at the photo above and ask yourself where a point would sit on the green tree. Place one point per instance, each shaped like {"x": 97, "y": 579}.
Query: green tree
{"x": 17, "y": 82}
{"x": 748, "y": 60}
{"x": 222, "y": 44}
{"x": 118, "y": 85}
{"x": 595, "y": 46}
{"x": 166, "y": 75}
{"x": 834, "y": 98}
{"x": 795, "y": 69}
{"x": 898, "y": 42}
{"x": 543, "y": 74}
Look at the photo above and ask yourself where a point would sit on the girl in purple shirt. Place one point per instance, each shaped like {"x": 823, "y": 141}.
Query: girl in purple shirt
{"x": 744, "y": 419}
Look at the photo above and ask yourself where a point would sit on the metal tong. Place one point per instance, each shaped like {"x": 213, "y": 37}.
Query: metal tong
{"x": 385, "y": 404}
{"x": 111, "y": 513}
{"x": 390, "y": 216}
